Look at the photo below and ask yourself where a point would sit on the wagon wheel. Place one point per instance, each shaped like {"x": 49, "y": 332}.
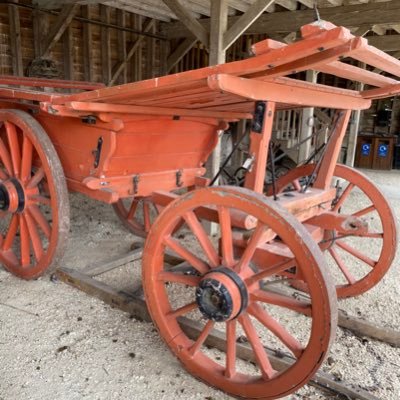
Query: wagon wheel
{"x": 357, "y": 262}
{"x": 228, "y": 293}
{"x": 34, "y": 222}
{"x": 137, "y": 215}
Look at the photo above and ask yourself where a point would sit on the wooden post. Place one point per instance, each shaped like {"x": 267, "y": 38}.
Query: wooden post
{"x": 87, "y": 46}
{"x": 395, "y": 124}
{"x": 15, "y": 39}
{"x": 307, "y": 123}
{"x": 105, "y": 44}
{"x": 354, "y": 127}
{"x": 219, "y": 23}
{"x": 68, "y": 54}
{"x": 121, "y": 45}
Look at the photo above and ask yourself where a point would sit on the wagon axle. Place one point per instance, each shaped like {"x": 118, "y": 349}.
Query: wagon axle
{"x": 221, "y": 295}
{"x": 12, "y": 196}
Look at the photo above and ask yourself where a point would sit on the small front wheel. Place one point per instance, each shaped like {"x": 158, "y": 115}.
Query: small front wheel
{"x": 216, "y": 288}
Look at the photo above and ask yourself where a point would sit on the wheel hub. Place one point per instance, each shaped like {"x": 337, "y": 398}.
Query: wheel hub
{"x": 221, "y": 295}
{"x": 12, "y": 196}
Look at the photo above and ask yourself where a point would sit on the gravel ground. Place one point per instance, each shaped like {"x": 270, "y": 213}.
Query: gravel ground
{"x": 58, "y": 343}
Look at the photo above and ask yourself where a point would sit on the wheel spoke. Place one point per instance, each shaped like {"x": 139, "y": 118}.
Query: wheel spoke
{"x": 36, "y": 178}
{"x": 146, "y": 216}
{"x": 183, "y": 310}
{"x": 9, "y": 258}
{"x": 224, "y": 217}
{"x": 296, "y": 184}
{"x": 277, "y": 329}
{"x": 25, "y": 245}
{"x": 364, "y": 211}
{"x": 12, "y": 231}
{"x": 230, "y": 369}
{"x": 202, "y": 338}
{"x": 356, "y": 253}
{"x": 189, "y": 280}
{"x": 26, "y": 163}
{"x": 187, "y": 255}
{"x": 350, "y": 278}
{"x": 371, "y": 235}
{"x": 40, "y": 219}
{"x": 5, "y": 158}
{"x": 3, "y": 175}
{"x": 343, "y": 197}
{"x": 281, "y": 300}
{"x": 132, "y": 209}
{"x": 39, "y": 199}
{"x": 201, "y": 235}
{"x": 273, "y": 270}
{"x": 34, "y": 236}
{"x": 259, "y": 351}
{"x": 252, "y": 244}
{"x": 14, "y": 147}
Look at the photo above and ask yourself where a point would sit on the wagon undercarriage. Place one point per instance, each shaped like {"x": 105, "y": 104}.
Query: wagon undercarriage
{"x": 136, "y": 145}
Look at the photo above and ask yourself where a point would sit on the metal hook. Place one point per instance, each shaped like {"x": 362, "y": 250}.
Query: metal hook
{"x": 317, "y": 16}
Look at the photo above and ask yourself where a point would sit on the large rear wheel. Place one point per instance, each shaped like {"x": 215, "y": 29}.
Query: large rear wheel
{"x": 34, "y": 220}
{"x": 357, "y": 262}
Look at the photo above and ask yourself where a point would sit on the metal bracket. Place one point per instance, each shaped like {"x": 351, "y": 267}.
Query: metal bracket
{"x": 89, "y": 119}
{"x": 97, "y": 152}
{"x": 259, "y": 116}
{"x": 179, "y": 181}
{"x": 136, "y": 179}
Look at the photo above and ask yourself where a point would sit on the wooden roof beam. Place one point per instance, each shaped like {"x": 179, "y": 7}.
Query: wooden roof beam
{"x": 307, "y": 3}
{"x": 240, "y": 26}
{"x": 288, "y": 4}
{"x": 188, "y": 20}
{"x": 335, "y": 2}
{"x": 385, "y": 43}
{"x": 378, "y": 29}
{"x": 350, "y": 16}
{"x": 142, "y": 9}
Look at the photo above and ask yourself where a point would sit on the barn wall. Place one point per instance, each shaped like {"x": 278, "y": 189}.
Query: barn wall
{"x": 144, "y": 64}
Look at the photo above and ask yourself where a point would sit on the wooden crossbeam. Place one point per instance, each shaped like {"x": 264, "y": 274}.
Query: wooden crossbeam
{"x": 58, "y": 28}
{"x": 148, "y": 25}
{"x": 177, "y": 55}
{"x": 290, "y": 21}
{"x": 192, "y": 24}
{"x": 240, "y": 26}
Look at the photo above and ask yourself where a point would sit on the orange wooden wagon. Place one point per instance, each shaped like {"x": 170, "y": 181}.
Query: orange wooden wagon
{"x": 135, "y": 145}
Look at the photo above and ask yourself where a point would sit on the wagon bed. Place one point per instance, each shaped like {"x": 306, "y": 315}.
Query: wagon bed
{"x": 229, "y": 90}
